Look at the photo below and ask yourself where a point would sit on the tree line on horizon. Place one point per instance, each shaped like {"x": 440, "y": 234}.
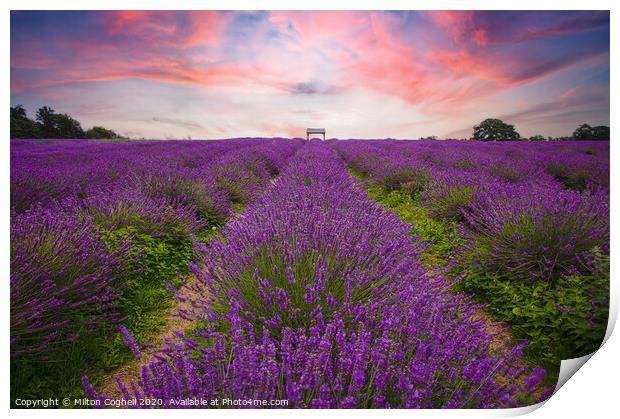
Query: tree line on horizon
{"x": 492, "y": 129}
{"x": 49, "y": 124}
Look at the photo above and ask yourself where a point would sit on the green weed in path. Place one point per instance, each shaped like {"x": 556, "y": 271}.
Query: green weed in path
{"x": 441, "y": 236}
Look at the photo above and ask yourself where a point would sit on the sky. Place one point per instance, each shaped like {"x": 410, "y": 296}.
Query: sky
{"x": 359, "y": 74}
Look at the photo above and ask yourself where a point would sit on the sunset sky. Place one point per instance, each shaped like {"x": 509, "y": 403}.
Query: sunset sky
{"x": 208, "y": 74}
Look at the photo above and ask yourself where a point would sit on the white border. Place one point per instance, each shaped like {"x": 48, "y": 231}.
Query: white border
{"x": 592, "y": 392}
{"x": 309, "y": 5}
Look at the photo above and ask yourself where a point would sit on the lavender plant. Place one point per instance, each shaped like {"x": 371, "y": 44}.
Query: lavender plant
{"x": 64, "y": 280}
{"x": 536, "y": 234}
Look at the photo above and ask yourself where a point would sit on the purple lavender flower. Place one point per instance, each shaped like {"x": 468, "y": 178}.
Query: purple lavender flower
{"x": 130, "y": 342}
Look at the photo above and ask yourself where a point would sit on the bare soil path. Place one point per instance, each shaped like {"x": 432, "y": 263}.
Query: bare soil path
{"x": 173, "y": 323}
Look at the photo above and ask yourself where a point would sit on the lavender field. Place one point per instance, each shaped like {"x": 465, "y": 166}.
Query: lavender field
{"x": 320, "y": 274}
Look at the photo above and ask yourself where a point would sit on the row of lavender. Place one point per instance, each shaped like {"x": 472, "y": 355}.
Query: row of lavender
{"x": 534, "y": 219}
{"x": 51, "y": 170}
{"x": 92, "y": 222}
{"x": 562, "y": 189}
{"x": 317, "y": 296}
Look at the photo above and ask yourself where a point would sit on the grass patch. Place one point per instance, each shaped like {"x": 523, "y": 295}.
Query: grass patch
{"x": 574, "y": 179}
{"x": 440, "y": 235}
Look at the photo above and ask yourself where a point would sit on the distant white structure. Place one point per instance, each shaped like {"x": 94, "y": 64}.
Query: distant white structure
{"x": 315, "y": 131}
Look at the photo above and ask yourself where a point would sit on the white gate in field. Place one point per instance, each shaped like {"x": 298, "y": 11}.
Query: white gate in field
{"x": 315, "y": 131}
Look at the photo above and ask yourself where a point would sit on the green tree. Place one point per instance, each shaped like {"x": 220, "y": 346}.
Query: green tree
{"x": 495, "y": 130}
{"x": 583, "y": 132}
{"x": 47, "y": 122}
{"x": 54, "y": 125}
{"x": 586, "y": 132}
{"x": 21, "y": 125}
{"x": 602, "y": 132}
{"x": 68, "y": 127}
{"x": 537, "y": 137}
{"x": 100, "y": 132}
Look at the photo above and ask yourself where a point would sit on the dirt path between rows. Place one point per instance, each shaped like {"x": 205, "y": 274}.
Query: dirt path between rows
{"x": 173, "y": 323}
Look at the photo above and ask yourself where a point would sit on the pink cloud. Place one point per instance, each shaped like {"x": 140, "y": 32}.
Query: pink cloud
{"x": 570, "y": 92}
{"x": 456, "y": 23}
{"x": 136, "y": 54}
{"x": 165, "y": 29}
